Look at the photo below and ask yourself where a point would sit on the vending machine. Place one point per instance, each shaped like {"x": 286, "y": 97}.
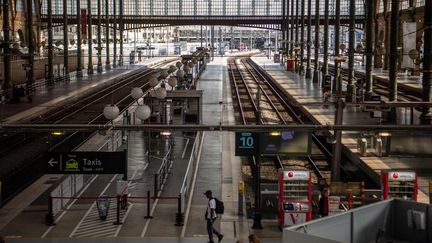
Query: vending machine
{"x": 295, "y": 197}
{"x": 399, "y": 184}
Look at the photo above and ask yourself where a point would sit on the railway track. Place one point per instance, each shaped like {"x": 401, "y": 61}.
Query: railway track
{"x": 21, "y": 156}
{"x": 318, "y": 163}
{"x": 259, "y": 103}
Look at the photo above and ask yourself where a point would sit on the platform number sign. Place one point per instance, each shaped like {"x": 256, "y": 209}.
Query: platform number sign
{"x": 246, "y": 144}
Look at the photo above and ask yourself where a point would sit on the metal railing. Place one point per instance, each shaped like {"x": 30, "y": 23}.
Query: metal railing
{"x": 187, "y": 181}
{"x": 162, "y": 174}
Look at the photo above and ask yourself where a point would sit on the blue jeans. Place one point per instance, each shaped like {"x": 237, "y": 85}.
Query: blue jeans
{"x": 211, "y": 230}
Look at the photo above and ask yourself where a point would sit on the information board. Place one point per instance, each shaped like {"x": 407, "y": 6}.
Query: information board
{"x": 296, "y": 143}
{"x": 246, "y": 144}
{"x": 85, "y": 162}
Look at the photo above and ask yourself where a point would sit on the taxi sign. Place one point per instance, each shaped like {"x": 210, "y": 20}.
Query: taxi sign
{"x": 85, "y": 162}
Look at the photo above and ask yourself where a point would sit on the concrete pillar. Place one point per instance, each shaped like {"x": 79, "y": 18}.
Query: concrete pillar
{"x": 79, "y": 64}
{"x": 337, "y": 82}
{"x": 99, "y": 38}
{"x": 309, "y": 41}
{"x": 426, "y": 115}
{"x": 351, "y": 76}
{"x": 50, "y": 75}
{"x": 370, "y": 14}
{"x": 107, "y": 35}
{"x": 89, "y": 38}
{"x": 65, "y": 41}
{"x": 326, "y": 27}
{"x": 317, "y": 44}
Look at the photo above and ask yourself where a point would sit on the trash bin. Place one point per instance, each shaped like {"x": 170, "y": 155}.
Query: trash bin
{"x": 132, "y": 57}
{"x": 363, "y": 146}
{"x": 379, "y": 147}
{"x": 102, "y": 204}
{"x": 291, "y": 64}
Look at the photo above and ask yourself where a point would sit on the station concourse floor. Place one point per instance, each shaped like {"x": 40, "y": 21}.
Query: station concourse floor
{"x": 305, "y": 91}
{"x": 217, "y": 170}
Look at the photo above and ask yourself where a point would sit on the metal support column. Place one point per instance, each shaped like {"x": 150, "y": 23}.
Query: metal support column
{"x": 89, "y": 38}
{"x": 283, "y": 28}
{"x": 309, "y": 41}
{"x": 115, "y": 33}
{"x": 107, "y": 36}
{"x": 201, "y": 37}
{"x": 212, "y": 42}
{"x": 296, "y": 38}
{"x": 394, "y": 34}
{"x": 99, "y": 38}
{"x": 79, "y": 51}
{"x": 292, "y": 28}
{"x": 30, "y": 72}
{"x": 302, "y": 42}
{"x": 326, "y": 44}
{"x": 350, "y": 96}
{"x": 337, "y": 148}
{"x": 50, "y": 75}
{"x": 370, "y": 15}
{"x": 65, "y": 41}
{"x": 337, "y": 82}
{"x": 426, "y": 115}
{"x": 6, "y": 50}
{"x": 257, "y": 185}
{"x": 121, "y": 32}
{"x": 317, "y": 44}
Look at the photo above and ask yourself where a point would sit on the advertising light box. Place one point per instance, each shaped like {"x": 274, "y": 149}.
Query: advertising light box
{"x": 295, "y": 143}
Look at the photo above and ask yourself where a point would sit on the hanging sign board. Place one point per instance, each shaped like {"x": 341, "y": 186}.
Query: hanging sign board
{"x": 85, "y": 163}
{"x": 246, "y": 144}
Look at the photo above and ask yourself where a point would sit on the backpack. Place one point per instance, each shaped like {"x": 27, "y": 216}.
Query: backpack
{"x": 219, "y": 206}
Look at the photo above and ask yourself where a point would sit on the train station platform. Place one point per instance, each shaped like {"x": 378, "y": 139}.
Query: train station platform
{"x": 305, "y": 91}
{"x": 405, "y": 79}
{"x": 46, "y": 98}
{"x": 217, "y": 169}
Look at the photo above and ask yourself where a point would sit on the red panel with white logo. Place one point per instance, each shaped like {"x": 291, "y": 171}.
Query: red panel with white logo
{"x": 295, "y": 197}
{"x": 399, "y": 184}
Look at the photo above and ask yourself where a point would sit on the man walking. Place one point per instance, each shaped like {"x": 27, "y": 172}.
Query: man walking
{"x": 211, "y": 216}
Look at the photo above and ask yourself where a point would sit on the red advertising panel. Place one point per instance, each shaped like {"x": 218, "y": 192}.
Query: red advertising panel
{"x": 83, "y": 21}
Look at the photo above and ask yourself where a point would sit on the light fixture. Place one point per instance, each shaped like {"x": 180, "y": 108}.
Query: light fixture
{"x": 165, "y": 133}
{"x": 384, "y": 134}
{"x": 136, "y": 93}
{"x": 57, "y": 133}
{"x": 276, "y": 133}
{"x": 143, "y": 112}
{"x": 111, "y": 112}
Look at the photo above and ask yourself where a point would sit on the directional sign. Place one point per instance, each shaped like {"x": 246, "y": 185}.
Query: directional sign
{"x": 246, "y": 144}
{"x": 85, "y": 163}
